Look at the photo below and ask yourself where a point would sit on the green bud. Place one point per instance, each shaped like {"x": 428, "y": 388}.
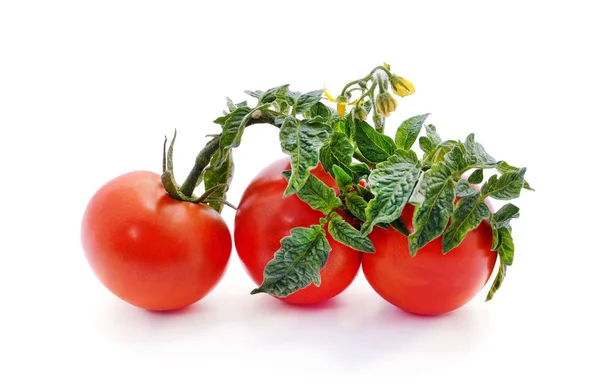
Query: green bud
{"x": 386, "y": 103}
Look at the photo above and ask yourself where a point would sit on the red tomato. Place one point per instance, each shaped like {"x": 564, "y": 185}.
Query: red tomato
{"x": 431, "y": 282}
{"x": 264, "y": 217}
{"x": 149, "y": 249}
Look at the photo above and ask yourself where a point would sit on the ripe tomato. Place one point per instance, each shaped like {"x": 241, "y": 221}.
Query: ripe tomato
{"x": 431, "y": 282}
{"x": 264, "y": 217}
{"x": 149, "y": 249}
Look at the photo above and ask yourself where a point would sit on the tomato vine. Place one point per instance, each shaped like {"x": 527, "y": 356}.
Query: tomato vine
{"x": 377, "y": 175}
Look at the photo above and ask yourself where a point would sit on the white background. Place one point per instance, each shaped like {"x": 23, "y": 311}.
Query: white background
{"x": 89, "y": 90}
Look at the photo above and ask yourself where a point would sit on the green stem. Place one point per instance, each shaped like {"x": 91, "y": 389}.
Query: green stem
{"x": 204, "y": 157}
{"x": 202, "y": 160}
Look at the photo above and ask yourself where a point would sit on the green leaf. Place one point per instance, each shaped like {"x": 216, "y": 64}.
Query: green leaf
{"x": 374, "y": 146}
{"x": 343, "y": 232}
{"x": 507, "y": 187}
{"x": 476, "y": 177}
{"x": 506, "y": 250}
{"x": 223, "y": 119}
{"x": 306, "y": 101}
{"x": 272, "y": 94}
{"x": 426, "y": 144}
{"x": 503, "y": 216}
{"x": 321, "y": 110}
{"x": 338, "y": 150}
{"x": 350, "y": 127}
{"x": 316, "y": 194}
{"x": 215, "y": 176}
{"x": 467, "y": 215}
{"x": 455, "y": 159}
{"x": 504, "y": 167}
{"x": 501, "y": 219}
{"x": 356, "y": 205}
{"x": 476, "y": 155}
{"x": 234, "y": 128}
{"x": 392, "y": 182}
{"x": 302, "y": 140}
{"x": 497, "y": 282}
{"x": 432, "y": 134}
{"x": 431, "y": 217}
{"x": 297, "y": 263}
{"x": 343, "y": 179}
{"x": 400, "y": 227}
{"x": 463, "y": 188}
{"x": 255, "y": 94}
{"x": 407, "y": 132}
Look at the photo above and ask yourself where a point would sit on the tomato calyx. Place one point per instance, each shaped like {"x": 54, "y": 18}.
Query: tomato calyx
{"x": 212, "y": 195}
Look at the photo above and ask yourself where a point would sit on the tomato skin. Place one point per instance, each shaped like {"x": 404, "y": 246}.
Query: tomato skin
{"x": 264, "y": 217}
{"x": 149, "y": 249}
{"x": 430, "y": 283}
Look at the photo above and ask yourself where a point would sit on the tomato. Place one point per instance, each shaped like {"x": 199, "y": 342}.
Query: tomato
{"x": 264, "y": 217}
{"x": 151, "y": 250}
{"x": 431, "y": 282}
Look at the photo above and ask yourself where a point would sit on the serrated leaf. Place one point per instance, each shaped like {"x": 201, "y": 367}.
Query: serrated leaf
{"x": 374, "y": 146}
{"x": 476, "y": 177}
{"x": 463, "y": 188}
{"x": 467, "y": 215}
{"x": 407, "y": 132}
{"x": 302, "y": 140}
{"x": 297, "y": 263}
{"x": 316, "y": 194}
{"x": 504, "y": 167}
{"x": 255, "y": 94}
{"x": 343, "y": 179}
{"x": 272, "y": 94}
{"x": 455, "y": 159}
{"x": 432, "y": 134}
{"x": 392, "y": 183}
{"x": 321, "y": 110}
{"x": 350, "y": 128}
{"x": 476, "y": 155}
{"x": 230, "y": 105}
{"x": 308, "y": 100}
{"x": 425, "y": 144}
{"x": 234, "y": 128}
{"x": 356, "y": 205}
{"x": 400, "y": 227}
{"x": 497, "y": 282}
{"x": 338, "y": 150}
{"x": 431, "y": 216}
{"x": 215, "y": 176}
{"x": 507, "y": 187}
{"x": 506, "y": 250}
{"x": 339, "y": 126}
{"x": 503, "y": 216}
{"x": 344, "y": 233}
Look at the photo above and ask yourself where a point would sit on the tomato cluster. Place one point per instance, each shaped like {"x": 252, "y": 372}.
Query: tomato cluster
{"x": 421, "y": 227}
{"x": 159, "y": 253}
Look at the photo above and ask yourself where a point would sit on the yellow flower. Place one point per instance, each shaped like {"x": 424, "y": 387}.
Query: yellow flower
{"x": 401, "y": 86}
{"x": 328, "y": 96}
{"x": 386, "y": 103}
{"x": 341, "y": 106}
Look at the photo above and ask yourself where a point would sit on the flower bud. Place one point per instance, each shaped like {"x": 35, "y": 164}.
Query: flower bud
{"x": 386, "y": 103}
{"x": 359, "y": 113}
{"x": 341, "y": 105}
{"x": 378, "y": 120}
{"x": 401, "y": 86}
